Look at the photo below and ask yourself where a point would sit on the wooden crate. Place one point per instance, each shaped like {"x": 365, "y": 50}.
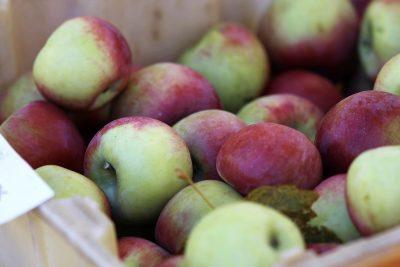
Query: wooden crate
{"x": 74, "y": 232}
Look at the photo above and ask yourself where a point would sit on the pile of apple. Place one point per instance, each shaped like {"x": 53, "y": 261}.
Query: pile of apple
{"x": 206, "y": 157}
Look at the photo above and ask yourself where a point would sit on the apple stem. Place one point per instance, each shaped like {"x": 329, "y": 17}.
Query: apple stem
{"x": 188, "y": 179}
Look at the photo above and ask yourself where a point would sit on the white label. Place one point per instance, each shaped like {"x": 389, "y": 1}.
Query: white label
{"x": 21, "y": 189}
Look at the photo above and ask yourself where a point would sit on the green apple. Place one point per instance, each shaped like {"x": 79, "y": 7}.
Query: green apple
{"x": 388, "y": 77}
{"x": 373, "y": 190}
{"x": 186, "y": 208}
{"x": 84, "y": 64}
{"x": 22, "y": 92}
{"x": 67, "y": 184}
{"x": 140, "y": 163}
{"x": 242, "y": 234}
{"x": 233, "y": 60}
{"x": 379, "y": 39}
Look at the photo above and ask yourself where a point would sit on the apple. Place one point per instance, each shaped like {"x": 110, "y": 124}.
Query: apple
{"x": 42, "y": 134}
{"x": 139, "y": 252}
{"x": 138, "y": 162}
{"x": 360, "y": 6}
{"x": 186, "y": 208}
{"x": 66, "y": 184}
{"x": 360, "y": 122}
{"x": 204, "y": 132}
{"x": 269, "y": 154}
{"x": 331, "y": 209}
{"x": 242, "y": 234}
{"x": 167, "y": 92}
{"x": 286, "y": 109}
{"x": 309, "y": 85}
{"x": 20, "y": 93}
{"x": 84, "y": 64}
{"x": 387, "y": 80}
{"x": 233, "y": 60}
{"x": 175, "y": 261}
{"x": 321, "y": 248}
{"x": 379, "y": 38}
{"x": 373, "y": 190}
{"x": 307, "y": 33}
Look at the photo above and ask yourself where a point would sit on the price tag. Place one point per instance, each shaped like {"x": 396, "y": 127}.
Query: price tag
{"x": 21, "y": 189}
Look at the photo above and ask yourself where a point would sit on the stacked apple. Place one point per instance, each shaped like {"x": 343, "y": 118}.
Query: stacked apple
{"x": 301, "y": 164}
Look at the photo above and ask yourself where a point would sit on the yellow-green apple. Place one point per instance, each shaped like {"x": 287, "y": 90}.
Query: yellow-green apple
{"x": 204, "y": 132}
{"x": 379, "y": 39}
{"x": 360, "y": 6}
{"x": 167, "y": 92}
{"x": 286, "y": 109}
{"x": 233, "y": 60}
{"x": 242, "y": 234}
{"x": 186, "y": 208}
{"x": 269, "y": 154}
{"x": 360, "y": 122}
{"x": 139, "y": 252}
{"x": 309, "y": 85}
{"x": 138, "y": 162}
{"x": 175, "y": 261}
{"x": 387, "y": 80}
{"x": 42, "y": 134}
{"x": 373, "y": 190}
{"x": 66, "y": 184}
{"x": 308, "y": 33}
{"x": 331, "y": 210}
{"x": 84, "y": 64}
{"x": 20, "y": 93}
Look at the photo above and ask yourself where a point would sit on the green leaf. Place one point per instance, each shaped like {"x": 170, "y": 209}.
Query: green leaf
{"x": 296, "y": 204}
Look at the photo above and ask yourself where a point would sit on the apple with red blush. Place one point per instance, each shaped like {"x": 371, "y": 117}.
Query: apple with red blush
{"x": 167, "y": 92}
{"x": 204, "y": 132}
{"x": 269, "y": 154}
{"x": 175, "y": 261}
{"x": 42, "y": 134}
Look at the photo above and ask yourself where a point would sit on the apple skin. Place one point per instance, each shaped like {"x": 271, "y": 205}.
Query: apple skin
{"x": 380, "y": 37}
{"x": 242, "y": 234}
{"x": 360, "y": 6}
{"x": 233, "y": 60}
{"x": 361, "y": 121}
{"x": 269, "y": 154}
{"x": 204, "y": 132}
{"x": 307, "y": 33}
{"x": 84, "y": 64}
{"x": 167, "y": 92}
{"x": 321, "y": 248}
{"x": 66, "y": 184}
{"x": 22, "y": 92}
{"x": 175, "y": 261}
{"x": 42, "y": 134}
{"x": 373, "y": 190}
{"x": 286, "y": 109}
{"x": 387, "y": 80}
{"x": 309, "y": 85}
{"x": 186, "y": 209}
{"x": 137, "y": 162}
{"x": 139, "y": 252}
{"x": 331, "y": 209}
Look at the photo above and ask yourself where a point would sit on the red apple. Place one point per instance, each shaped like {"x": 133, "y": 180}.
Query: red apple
{"x": 309, "y": 33}
{"x": 309, "y": 85}
{"x": 167, "y": 92}
{"x": 44, "y": 135}
{"x": 360, "y": 122}
{"x": 361, "y": 5}
{"x": 139, "y": 252}
{"x": 321, "y": 248}
{"x": 269, "y": 154}
{"x": 286, "y": 109}
{"x": 204, "y": 132}
{"x": 175, "y": 261}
